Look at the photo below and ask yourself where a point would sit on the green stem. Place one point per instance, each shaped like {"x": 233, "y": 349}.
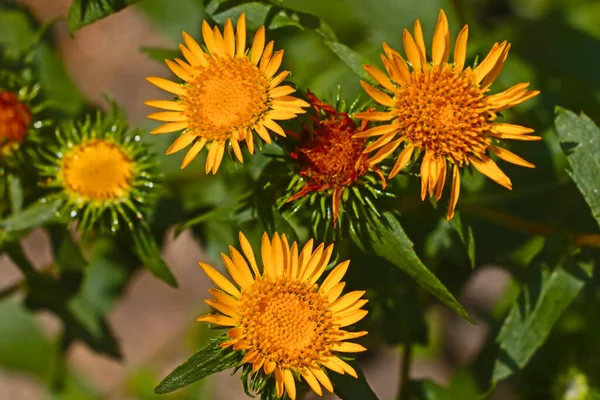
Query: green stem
{"x": 405, "y": 363}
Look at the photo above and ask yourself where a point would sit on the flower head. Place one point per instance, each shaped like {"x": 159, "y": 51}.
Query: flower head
{"x": 328, "y": 160}
{"x": 440, "y": 109}
{"x": 102, "y": 174}
{"x": 15, "y": 118}
{"x": 283, "y": 322}
{"x": 228, "y": 94}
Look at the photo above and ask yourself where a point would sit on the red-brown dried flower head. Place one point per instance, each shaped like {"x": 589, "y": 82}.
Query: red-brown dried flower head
{"x": 15, "y": 119}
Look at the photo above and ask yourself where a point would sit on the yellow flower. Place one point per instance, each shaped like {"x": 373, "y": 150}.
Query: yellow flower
{"x": 285, "y": 322}
{"x": 441, "y": 109}
{"x": 228, "y": 93}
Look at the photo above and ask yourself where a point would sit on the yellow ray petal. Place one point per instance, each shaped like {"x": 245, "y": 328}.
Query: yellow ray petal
{"x": 169, "y": 127}
{"x": 235, "y": 333}
{"x": 209, "y": 40}
{"x": 334, "y": 277}
{"x": 217, "y": 320}
{"x": 224, "y": 298}
{"x": 289, "y": 101}
{"x": 193, "y": 46}
{"x": 510, "y": 157}
{"x": 274, "y": 64}
{"x": 311, "y": 380}
{"x": 241, "y": 277}
{"x": 223, "y": 308}
{"x": 313, "y": 261}
{"x": 168, "y": 116}
{"x": 189, "y": 57}
{"x": 304, "y": 257}
{"x": 282, "y": 115}
{"x": 178, "y": 70}
{"x": 486, "y": 166}
{"x": 382, "y": 141}
{"x": 266, "y": 56}
{"x": 266, "y": 255}
{"x": 493, "y": 74}
{"x": 378, "y": 130}
{"x": 290, "y": 384}
{"x": 322, "y": 378}
{"x": 193, "y": 152}
{"x": 279, "y": 382}
{"x": 352, "y": 335}
{"x": 219, "y": 42}
{"x": 439, "y": 49}
{"x": 412, "y": 51}
{"x": 281, "y": 91}
{"x": 188, "y": 68}
{"x": 182, "y": 142}
{"x": 220, "y": 280}
{"x": 278, "y": 79}
{"x": 277, "y": 256}
{"x": 332, "y": 364}
{"x": 379, "y": 77}
{"x": 235, "y": 145}
{"x": 377, "y": 95}
{"x": 241, "y": 35}
{"x": 269, "y": 366}
{"x": 218, "y": 156}
{"x": 425, "y": 168}
{"x": 249, "y": 138}
{"x": 229, "y": 38}
{"x": 385, "y": 151}
{"x": 293, "y": 272}
{"x": 455, "y": 192}
{"x": 258, "y": 45}
{"x": 346, "y": 367}
{"x": 510, "y": 129}
{"x": 350, "y": 318}
{"x": 335, "y": 292}
{"x": 441, "y": 180}
{"x": 348, "y": 347}
{"x": 263, "y": 133}
{"x": 418, "y": 31}
{"x": 247, "y": 250}
{"x": 375, "y": 116}
{"x": 322, "y": 264}
{"x": 272, "y": 125}
{"x": 460, "y": 49}
{"x": 346, "y": 300}
{"x": 489, "y": 62}
{"x": 402, "y": 160}
{"x": 166, "y": 105}
{"x": 167, "y": 85}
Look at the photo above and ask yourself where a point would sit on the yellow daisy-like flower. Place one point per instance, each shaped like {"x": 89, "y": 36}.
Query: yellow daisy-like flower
{"x": 441, "y": 109}
{"x": 286, "y": 323}
{"x": 228, "y": 93}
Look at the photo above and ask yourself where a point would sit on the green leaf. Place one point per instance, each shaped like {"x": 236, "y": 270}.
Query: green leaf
{"x": 465, "y": 232}
{"x": 386, "y": 238}
{"x": 15, "y": 191}
{"x": 256, "y": 14}
{"x": 554, "y": 282}
{"x": 160, "y": 53}
{"x": 347, "y": 387}
{"x": 353, "y": 59}
{"x": 147, "y": 250}
{"x": 580, "y": 141}
{"x": 209, "y": 360}
{"x": 85, "y": 12}
{"x": 33, "y": 216}
{"x": 463, "y": 386}
{"x": 285, "y": 17}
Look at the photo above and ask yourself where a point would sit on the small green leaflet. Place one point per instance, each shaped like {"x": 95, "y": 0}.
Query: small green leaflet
{"x": 580, "y": 141}
{"x": 85, "y": 12}
{"x": 547, "y": 293}
{"x": 209, "y": 360}
{"x": 147, "y": 250}
{"x": 465, "y": 232}
{"x": 35, "y": 215}
{"x": 388, "y": 240}
{"x": 350, "y": 388}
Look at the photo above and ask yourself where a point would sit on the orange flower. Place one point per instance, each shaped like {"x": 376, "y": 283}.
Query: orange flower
{"x": 441, "y": 109}
{"x": 228, "y": 93}
{"x": 285, "y": 323}
{"x": 15, "y": 118}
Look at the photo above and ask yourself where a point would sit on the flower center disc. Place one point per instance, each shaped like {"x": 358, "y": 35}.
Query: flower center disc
{"x": 97, "y": 170}
{"x": 330, "y": 157}
{"x": 14, "y": 118}
{"x": 228, "y": 95}
{"x": 287, "y": 321}
{"x": 444, "y": 112}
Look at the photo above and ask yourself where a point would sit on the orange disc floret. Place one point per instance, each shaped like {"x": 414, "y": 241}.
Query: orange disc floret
{"x": 15, "y": 118}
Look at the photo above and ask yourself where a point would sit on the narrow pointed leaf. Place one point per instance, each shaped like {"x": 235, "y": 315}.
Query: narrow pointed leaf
{"x": 149, "y": 253}
{"x": 85, "y": 12}
{"x": 347, "y": 387}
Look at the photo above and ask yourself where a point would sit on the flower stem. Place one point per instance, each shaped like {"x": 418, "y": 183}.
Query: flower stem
{"x": 405, "y": 362}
